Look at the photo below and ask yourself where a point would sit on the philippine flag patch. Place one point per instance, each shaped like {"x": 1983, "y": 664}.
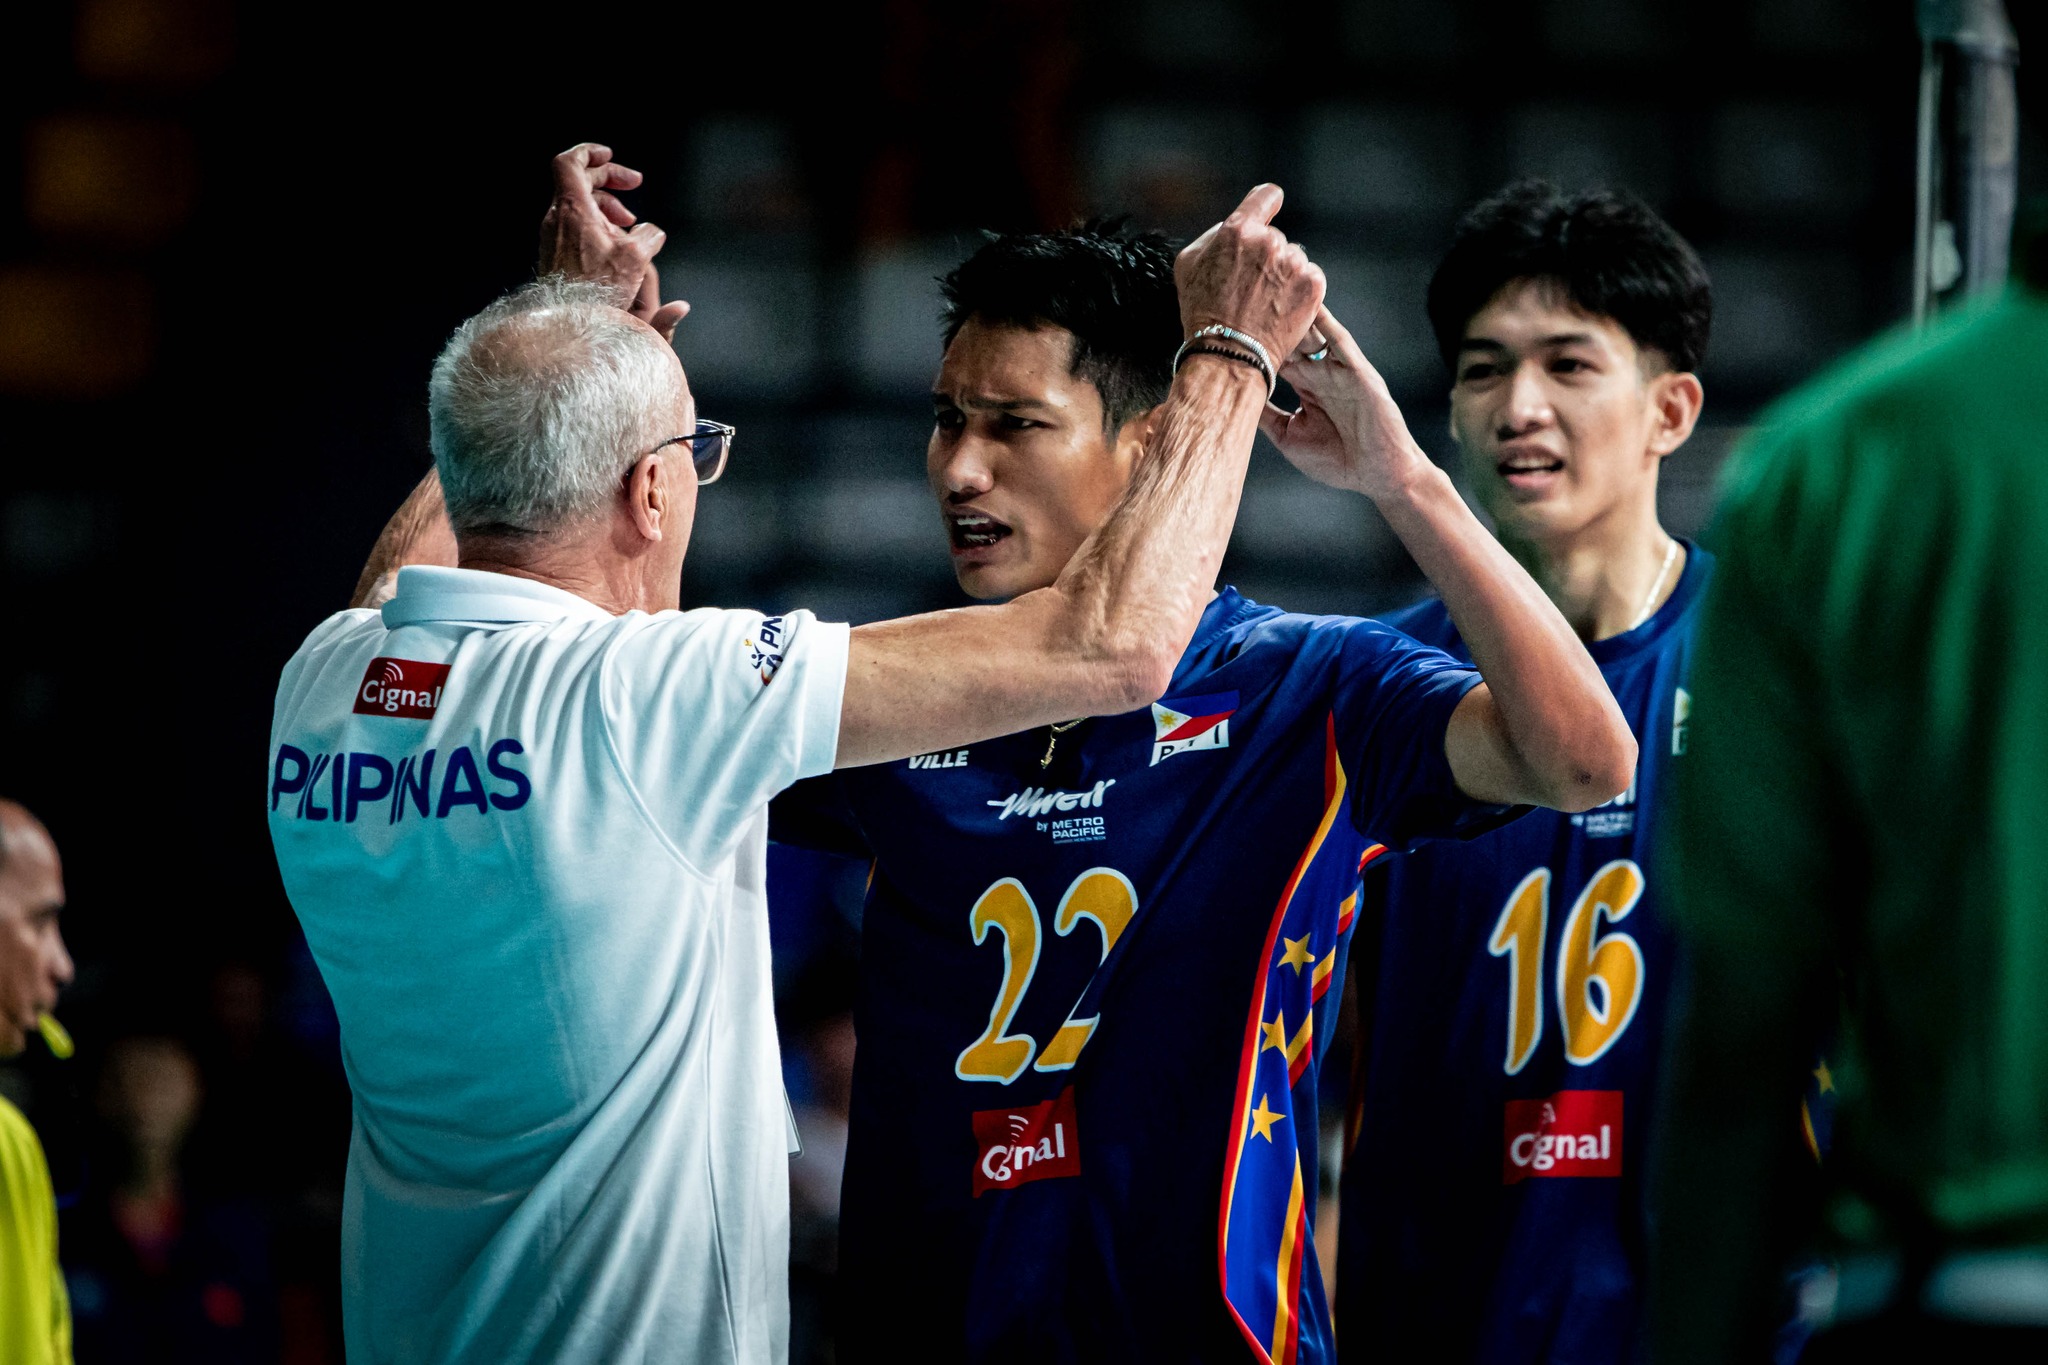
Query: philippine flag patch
{"x": 1183, "y": 723}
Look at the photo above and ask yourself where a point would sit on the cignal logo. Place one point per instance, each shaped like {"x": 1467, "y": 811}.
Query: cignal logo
{"x": 406, "y": 688}
{"x": 1017, "y": 1146}
{"x": 1573, "y": 1133}
{"x": 1183, "y": 724}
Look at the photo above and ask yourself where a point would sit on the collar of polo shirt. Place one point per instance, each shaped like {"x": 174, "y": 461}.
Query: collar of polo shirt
{"x": 432, "y": 593}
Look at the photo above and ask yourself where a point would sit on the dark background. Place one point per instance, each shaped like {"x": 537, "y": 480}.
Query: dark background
{"x": 233, "y": 237}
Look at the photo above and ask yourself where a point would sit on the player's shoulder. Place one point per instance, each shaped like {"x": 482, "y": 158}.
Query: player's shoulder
{"x": 1303, "y": 644}
{"x": 1428, "y": 621}
{"x": 1910, "y": 400}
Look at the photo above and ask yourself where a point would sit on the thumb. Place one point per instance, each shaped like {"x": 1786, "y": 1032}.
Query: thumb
{"x": 1274, "y": 422}
{"x": 649, "y": 237}
{"x": 667, "y": 316}
{"x": 1259, "y": 205}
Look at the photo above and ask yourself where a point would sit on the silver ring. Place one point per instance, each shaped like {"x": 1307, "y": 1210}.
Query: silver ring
{"x": 1323, "y": 354}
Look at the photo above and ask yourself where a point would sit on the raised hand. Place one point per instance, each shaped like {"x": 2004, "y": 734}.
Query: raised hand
{"x": 1246, "y": 275}
{"x": 1348, "y": 432}
{"x": 587, "y": 234}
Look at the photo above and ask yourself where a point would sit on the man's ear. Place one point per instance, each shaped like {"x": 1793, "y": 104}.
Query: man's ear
{"x": 1134, "y": 437}
{"x": 1676, "y": 398}
{"x": 647, "y": 496}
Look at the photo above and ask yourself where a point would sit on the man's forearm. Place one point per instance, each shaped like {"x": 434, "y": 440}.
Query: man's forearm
{"x": 1566, "y": 734}
{"x": 1132, "y": 595}
{"x": 418, "y": 533}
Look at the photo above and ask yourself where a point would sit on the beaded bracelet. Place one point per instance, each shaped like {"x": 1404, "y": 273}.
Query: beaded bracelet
{"x": 1208, "y": 348}
{"x": 1263, "y": 361}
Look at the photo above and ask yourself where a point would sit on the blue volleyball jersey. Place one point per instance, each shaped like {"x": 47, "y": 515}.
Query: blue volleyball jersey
{"x": 1512, "y": 992}
{"x": 1094, "y": 989}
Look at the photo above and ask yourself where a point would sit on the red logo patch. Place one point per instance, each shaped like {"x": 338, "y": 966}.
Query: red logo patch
{"x": 1574, "y": 1132}
{"x": 405, "y": 688}
{"x": 1039, "y": 1142}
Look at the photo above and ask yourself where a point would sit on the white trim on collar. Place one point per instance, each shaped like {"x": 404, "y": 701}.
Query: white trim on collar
{"x": 429, "y": 592}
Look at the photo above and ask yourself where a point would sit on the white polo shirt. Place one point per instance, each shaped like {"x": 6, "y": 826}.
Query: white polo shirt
{"x": 527, "y": 842}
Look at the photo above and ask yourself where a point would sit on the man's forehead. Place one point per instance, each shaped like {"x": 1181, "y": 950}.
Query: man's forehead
{"x": 1028, "y": 371}
{"x": 1525, "y": 314}
{"x": 1000, "y": 360}
{"x": 31, "y": 873}
{"x": 978, "y": 399}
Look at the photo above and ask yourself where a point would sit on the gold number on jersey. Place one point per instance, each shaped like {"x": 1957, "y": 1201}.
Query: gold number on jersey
{"x": 1106, "y": 896}
{"x": 998, "y": 1055}
{"x": 1614, "y": 963}
{"x": 1599, "y": 976}
{"x": 1101, "y": 894}
{"x": 1519, "y": 935}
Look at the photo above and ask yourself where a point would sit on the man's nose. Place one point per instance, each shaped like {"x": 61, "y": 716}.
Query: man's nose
{"x": 1528, "y": 404}
{"x": 61, "y": 966}
{"x": 967, "y": 469}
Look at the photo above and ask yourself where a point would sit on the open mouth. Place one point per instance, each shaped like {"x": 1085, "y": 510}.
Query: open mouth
{"x": 973, "y": 531}
{"x": 1529, "y": 467}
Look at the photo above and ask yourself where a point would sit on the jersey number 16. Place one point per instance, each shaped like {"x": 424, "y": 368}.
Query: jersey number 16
{"x": 1599, "y": 977}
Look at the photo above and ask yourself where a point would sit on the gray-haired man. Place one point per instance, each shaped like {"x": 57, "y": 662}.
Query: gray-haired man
{"x": 521, "y": 812}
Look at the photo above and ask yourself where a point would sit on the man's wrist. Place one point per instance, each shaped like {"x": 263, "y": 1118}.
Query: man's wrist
{"x": 1414, "y": 481}
{"x": 1231, "y": 344}
{"x": 1205, "y": 368}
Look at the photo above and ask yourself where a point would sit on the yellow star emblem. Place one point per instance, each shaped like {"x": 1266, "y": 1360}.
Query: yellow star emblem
{"x": 1297, "y": 955}
{"x": 1824, "y": 1077}
{"x": 1263, "y": 1120}
{"x": 1275, "y": 1031}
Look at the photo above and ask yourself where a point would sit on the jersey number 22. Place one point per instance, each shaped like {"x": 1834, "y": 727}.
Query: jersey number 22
{"x": 1102, "y": 895}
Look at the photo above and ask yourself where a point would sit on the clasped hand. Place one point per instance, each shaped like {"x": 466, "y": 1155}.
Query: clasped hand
{"x": 1244, "y": 274}
{"x": 1348, "y": 432}
{"x": 587, "y": 234}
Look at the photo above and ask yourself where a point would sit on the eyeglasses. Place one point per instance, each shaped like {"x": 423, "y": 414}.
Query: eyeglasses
{"x": 709, "y": 446}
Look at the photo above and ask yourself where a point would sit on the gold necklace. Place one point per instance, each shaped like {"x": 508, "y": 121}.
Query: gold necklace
{"x": 1052, "y": 740}
{"x": 1651, "y": 600}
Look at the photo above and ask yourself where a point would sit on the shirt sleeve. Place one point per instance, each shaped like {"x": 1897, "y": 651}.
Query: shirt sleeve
{"x": 711, "y": 713}
{"x": 1393, "y": 702}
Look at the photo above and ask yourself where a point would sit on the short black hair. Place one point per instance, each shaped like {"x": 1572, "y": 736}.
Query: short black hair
{"x": 1610, "y": 253}
{"x": 1111, "y": 287}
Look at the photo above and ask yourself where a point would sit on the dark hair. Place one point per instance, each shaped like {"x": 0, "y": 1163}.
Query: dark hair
{"x": 1113, "y": 289}
{"x": 1610, "y": 253}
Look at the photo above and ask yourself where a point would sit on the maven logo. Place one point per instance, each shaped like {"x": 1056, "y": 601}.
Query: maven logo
{"x": 1574, "y": 1132}
{"x": 1033, "y": 802}
{"x": 1017, "y": 1146}
{"x": 401, "y": 687}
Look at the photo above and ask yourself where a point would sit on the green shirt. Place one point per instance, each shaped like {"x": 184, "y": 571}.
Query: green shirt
{"x": 35, "y": 1316}
{"x": 1862, "y": 821}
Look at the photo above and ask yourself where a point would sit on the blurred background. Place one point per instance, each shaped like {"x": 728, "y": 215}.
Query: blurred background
{"x": 232, "y": 237}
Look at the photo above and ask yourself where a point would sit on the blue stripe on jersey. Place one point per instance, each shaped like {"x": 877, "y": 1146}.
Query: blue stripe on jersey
{"x": 1264, "y": 1237}
{"x": 1512, "y": 991}
{"x": 1066, "y": 1139}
